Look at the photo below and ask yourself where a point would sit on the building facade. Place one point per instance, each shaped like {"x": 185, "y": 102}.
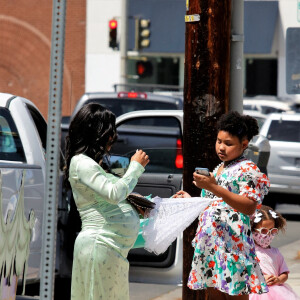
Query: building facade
{"x": 25, "y": 45}
{"x": 266, "y": 34}
{"x": 271, "y": 47}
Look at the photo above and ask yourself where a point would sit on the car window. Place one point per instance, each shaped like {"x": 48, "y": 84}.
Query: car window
{"x": 287, "y": 131}
{"x": 150, "y": 121}
{"x": 269, "y": 109}
{"x": 250, "y": 107}
{"x": 260, "y": 121}
{"x": 40, "y": 125}
{"x": 65, "y": 119}
{"x": 10, "y": 143}
{"x": 121, "y": 106}
{"x": 160, "y": 137}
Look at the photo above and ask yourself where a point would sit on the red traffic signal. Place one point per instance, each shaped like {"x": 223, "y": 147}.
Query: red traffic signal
{"x": 144, "y": 68}
{"x": 113, "y": 26}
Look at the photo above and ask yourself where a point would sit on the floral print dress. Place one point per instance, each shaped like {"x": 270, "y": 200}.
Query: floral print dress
{"x": 224, "y": 251}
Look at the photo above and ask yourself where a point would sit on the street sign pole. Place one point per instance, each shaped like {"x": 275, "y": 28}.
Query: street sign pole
{"x": 123, "y": 42}
{"x": 52, "y": 152}
{"x": 206, "y": 98}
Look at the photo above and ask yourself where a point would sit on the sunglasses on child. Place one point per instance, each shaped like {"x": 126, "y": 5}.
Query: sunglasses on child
{"x": 265, "y": 231}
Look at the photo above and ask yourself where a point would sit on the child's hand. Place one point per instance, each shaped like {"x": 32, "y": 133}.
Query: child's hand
{"x": 204, "y": 182}
{"x": 181, "y": 194}
{"x": 272, "y": 279}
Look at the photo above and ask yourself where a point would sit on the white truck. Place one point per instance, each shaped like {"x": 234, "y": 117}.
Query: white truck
{"x": 23, "y": 132}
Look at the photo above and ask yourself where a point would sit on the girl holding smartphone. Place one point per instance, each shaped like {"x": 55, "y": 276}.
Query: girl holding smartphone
{"x": 224, "y": 262}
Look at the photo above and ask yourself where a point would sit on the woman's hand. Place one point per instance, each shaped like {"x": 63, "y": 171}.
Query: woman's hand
{"x": 141, "y": 157}
{"x": 204, "y": 182}
{"x": 181, "y": 194}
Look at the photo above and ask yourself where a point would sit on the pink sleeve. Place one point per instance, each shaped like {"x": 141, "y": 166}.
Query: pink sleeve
{"x": 282, "y": 266}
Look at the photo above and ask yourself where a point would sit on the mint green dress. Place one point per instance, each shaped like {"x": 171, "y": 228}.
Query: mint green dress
{"x": 110, "y": 226}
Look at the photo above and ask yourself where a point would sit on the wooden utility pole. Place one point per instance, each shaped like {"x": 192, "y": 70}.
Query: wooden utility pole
{"x": 206, "y": 90}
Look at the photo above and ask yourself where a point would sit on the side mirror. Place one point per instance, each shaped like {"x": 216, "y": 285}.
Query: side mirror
{"x": 119, "y": 164}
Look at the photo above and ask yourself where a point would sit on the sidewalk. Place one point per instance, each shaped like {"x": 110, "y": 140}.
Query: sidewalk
{"x": 291, "y": 254}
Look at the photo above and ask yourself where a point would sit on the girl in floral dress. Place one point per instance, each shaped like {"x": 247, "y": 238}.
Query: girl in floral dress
{"x": 224, "y": 262}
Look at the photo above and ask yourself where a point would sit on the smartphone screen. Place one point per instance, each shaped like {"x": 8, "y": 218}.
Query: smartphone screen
{"x": 202, "y": 171}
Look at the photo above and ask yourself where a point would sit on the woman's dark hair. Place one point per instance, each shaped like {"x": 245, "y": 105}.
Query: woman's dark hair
{"x": 91, "y": 131}
{"x": 238, "y": 125}
{"x": 267, "y": 213}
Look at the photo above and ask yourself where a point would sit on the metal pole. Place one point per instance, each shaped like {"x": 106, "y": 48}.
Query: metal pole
{"x": 236, "y": 56}
{"x": 53, "y": 153}
{"x": 123, "y": 42}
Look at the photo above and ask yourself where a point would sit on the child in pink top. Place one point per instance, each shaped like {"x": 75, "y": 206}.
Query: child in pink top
{"x": 265, "y": 226}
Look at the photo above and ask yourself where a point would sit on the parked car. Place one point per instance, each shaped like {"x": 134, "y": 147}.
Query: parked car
{"x": 267, "y": 104}
{"x": 123, "y": 102}
{"x": 283, "y": 132}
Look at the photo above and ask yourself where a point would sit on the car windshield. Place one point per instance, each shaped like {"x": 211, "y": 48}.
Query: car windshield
{"x": 250, "y": 107}
{"x": 11, "y": 148}
{"x": 159, "y": 137}
{"x": 260, "y": 121}
{"x": 121, "y": 106}
{"x": 287, "y": 131}
{"x": 268, "y": 109}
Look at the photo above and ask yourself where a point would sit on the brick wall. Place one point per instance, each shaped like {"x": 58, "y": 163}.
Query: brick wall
{"x": 25, "y": 44}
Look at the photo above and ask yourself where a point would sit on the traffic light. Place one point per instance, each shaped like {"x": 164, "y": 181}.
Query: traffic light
{"x": 113, "y": 26}
{"x": 144, "y": 68}
{"x": 142, "y": 33}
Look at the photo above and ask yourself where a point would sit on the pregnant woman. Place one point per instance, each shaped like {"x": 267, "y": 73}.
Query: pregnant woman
{"x": 110, "y": 224}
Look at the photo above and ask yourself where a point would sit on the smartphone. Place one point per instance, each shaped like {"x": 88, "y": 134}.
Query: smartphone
{"x": 202, "y": 171}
